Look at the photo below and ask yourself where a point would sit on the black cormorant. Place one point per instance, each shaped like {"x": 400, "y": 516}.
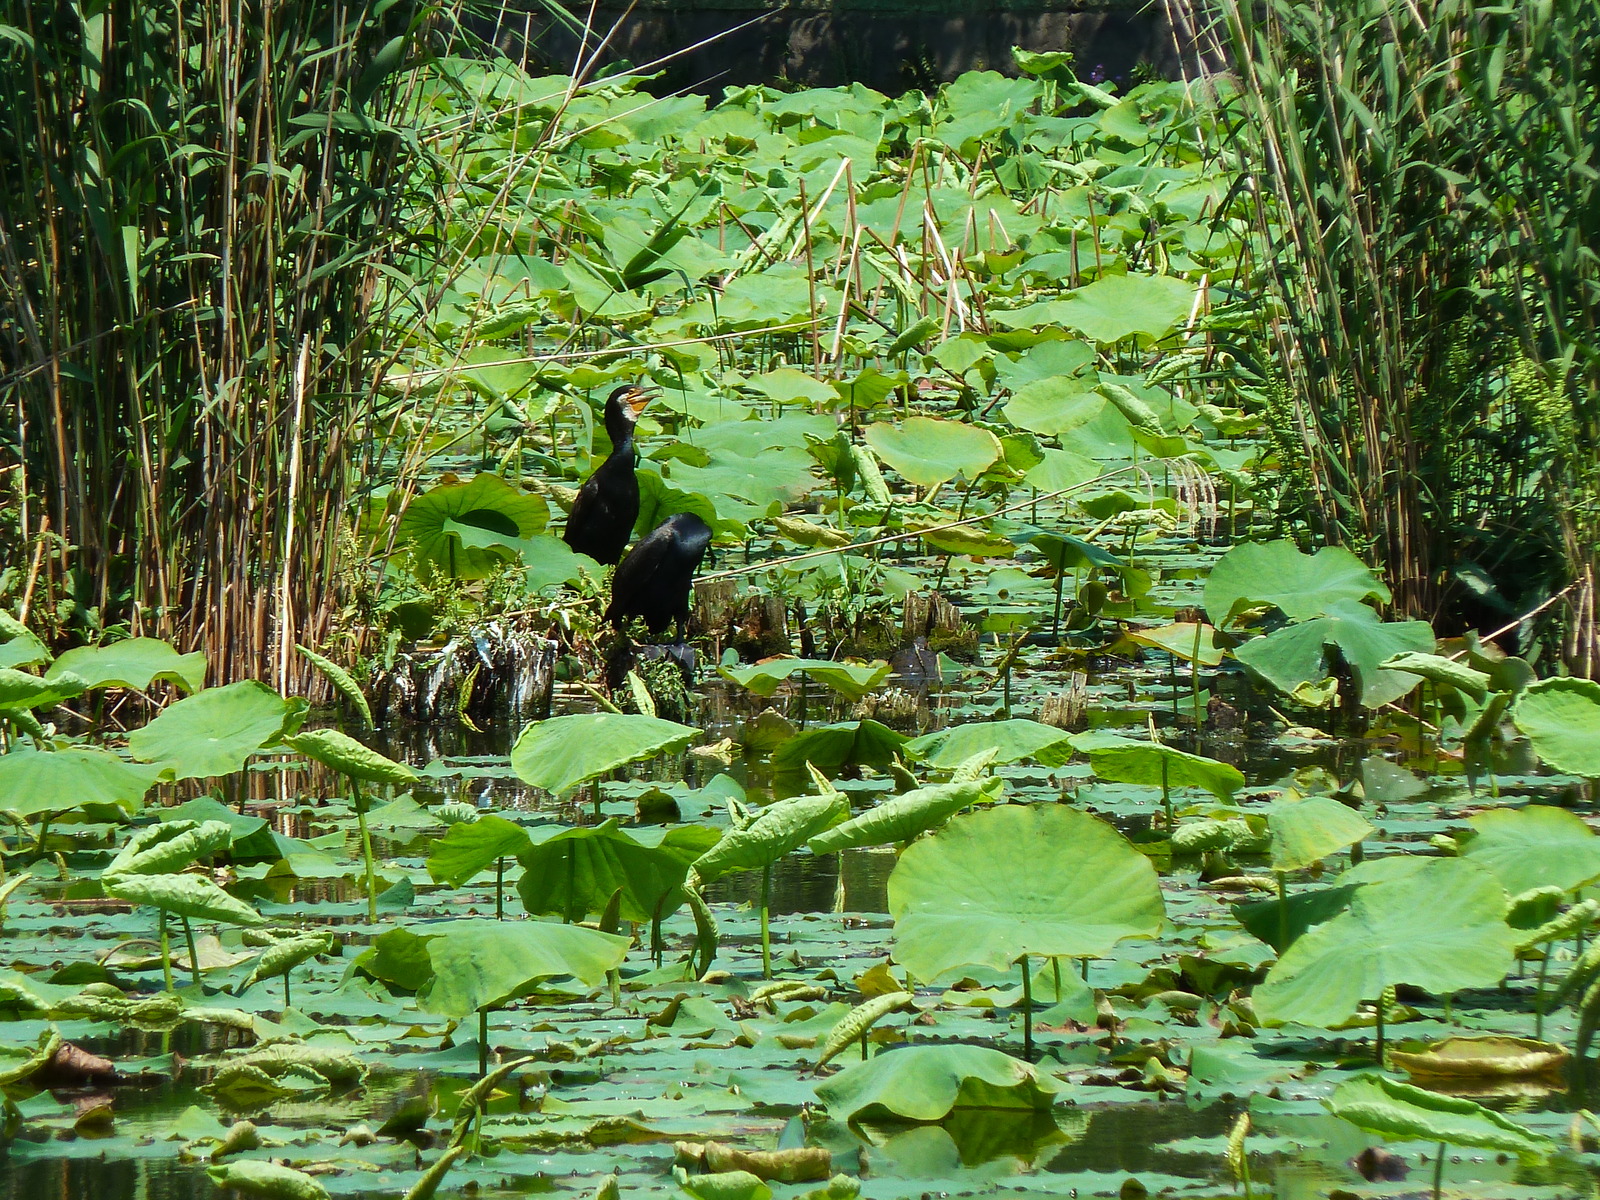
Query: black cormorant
{"x": 608, "y": 502}
{"x": 654, "y": 581}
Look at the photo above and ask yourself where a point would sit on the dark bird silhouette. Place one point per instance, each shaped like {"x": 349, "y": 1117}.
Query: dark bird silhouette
{"x": 654, "y": 581}
{"x": 608, "y": 502}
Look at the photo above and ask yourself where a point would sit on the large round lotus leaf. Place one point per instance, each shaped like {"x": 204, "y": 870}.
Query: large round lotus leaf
{"x": 1561, "y": 718}
{"x": 135, "y": 663}
{"x": 927, "y": 451}
{"x": 1130, "y": 760}
{"x": 1300, "y": 585}
{"x": 1534, "y": 847}
{"x": 1307, "y": 831}
{"x": 473, "y": 846}
{"x": 19, "y": 690}
{"x": 213, "y": 732}
{"x": 777, "y": 829}
{"x": 484, "y": 963}
{"x": 1054, "y": 406}
{"x": 434, "y": 523}
{"x": 1011, "y": 740}
{"x": 1117, "y": 306}
{"x": 927, "y": 1083}
{"x": 1405, "y": 1113}
{"x": 1039, "y": 879}
{"x": 578, "y": 871}
{"x": 850, "y": 680}
{"x": 562, "y": 752}
{"x": 41, "y": 781}
{"x": 901, "y": 818}
{"x": 349, "y": 757}
{"x": 1441, "y": 927}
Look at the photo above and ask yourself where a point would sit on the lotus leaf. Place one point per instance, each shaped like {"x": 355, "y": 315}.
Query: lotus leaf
{"x": 1184, "y": 640}
{"x": 183, "y": 896}
{"x": 1117, "y": 306}
{"x": 577, "y": 871}
{"x": 134, "y": 663}
{"x": 928, "y": 1083}
{"x": 1307, "y": 831}
{"x": 1487, "y": 1056}
{"x": 168, "y": 847}
{"x": 1534, "y": 847}
{"x": 927, "y": 451}
{"x": 1441, "y": 928}
{"x": 1436, "y": 668}
{"x": 1400, "y": 1111}
{"x": 901, "y": 818}
{"x": 214, "y": 732}
{"x": 1561, "y": 720}
{"x": 850, "y": 680}
{"x": 1300, "y": 655}
{"x": 434, "y": 522}
{"x": 20, "y": 690}
{"x": 349, "y": 757}
{"x": 1054, "y": 406}
{"x": 832, "y": 747}
{"x": 777, "y": 829}
{"x": 1130, "y": 760}
{"x": 998, "y": 884}
{"x": 560, "y": 753}
{"x": 1012, "y": 740}
{"x": 1301, "y": 586}
{"x": 42, "y": 781}
{"x": 472, "y": 846}
{"x": 477, "y": 964}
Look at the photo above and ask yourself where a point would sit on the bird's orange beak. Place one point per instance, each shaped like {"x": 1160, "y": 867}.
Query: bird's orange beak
{"x": 638, "y": 397}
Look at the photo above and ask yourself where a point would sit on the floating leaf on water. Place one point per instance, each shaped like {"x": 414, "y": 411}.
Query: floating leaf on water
{"x": 928, "y": 1083}
{"x": 256, "y": 1177}
{"x": 1490, "y": 1056}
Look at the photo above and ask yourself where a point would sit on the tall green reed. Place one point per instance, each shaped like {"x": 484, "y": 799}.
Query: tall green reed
{"x": 198, "y": 229}
{"x": 1429, "y": 199}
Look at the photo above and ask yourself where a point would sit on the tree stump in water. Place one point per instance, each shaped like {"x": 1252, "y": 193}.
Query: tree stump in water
{"x": 929, "y": 615}
{"x": 1068, "y": 709}
{"x": 491, "y": 675}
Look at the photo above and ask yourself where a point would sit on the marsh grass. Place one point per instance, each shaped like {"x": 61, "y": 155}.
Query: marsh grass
{"x": 1430, "y": 203}
{"x": 203, "y": 201}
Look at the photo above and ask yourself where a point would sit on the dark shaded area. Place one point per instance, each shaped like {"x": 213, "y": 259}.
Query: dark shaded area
{"x": 890, "y": 46}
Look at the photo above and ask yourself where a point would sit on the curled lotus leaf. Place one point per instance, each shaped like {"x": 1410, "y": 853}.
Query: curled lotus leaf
{"x": 1494, "y": 1056}
{"x": 1400, "y": 1111}
{"x": 349, "y": 757}
{"x": 168, "y": 847}
{"x": 928, "y": 1083}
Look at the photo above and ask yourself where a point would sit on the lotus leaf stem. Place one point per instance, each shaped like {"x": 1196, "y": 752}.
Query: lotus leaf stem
{"x": 360, "y": 803}
{"x": 166, "y": 953}
{"x": 766, "y": 934}
{"x": 194, "y": 957}
{"x": 1027, "y": 1011}
{"x": 483, "y": 1042}
{"x": 1438, "y": 1172}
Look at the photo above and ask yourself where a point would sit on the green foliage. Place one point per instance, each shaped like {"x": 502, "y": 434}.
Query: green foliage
{"x": 1012, "y": 881}
{"x": 928, "y": 1083}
